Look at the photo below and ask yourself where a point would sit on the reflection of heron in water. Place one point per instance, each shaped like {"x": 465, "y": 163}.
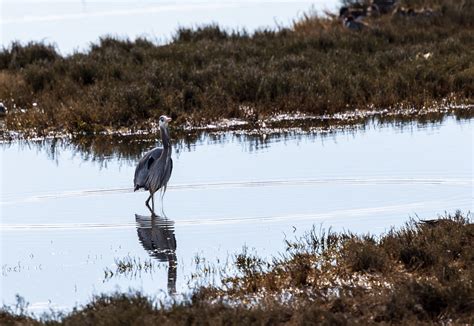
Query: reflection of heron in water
{"x": 156, "y": 234}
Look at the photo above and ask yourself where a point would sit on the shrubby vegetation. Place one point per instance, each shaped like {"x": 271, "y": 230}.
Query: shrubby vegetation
{"x": 419, "y": 274}
{"x": 315, "y": 66}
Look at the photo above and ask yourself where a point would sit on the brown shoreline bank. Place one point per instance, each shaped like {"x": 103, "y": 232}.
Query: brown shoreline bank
{"x": 274, "y": 124}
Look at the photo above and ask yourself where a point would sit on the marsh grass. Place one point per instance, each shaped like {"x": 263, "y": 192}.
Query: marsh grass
{"x": 208, "y": 73}
{"x": 130, "y": 267}
{"x": 419, "y": 274}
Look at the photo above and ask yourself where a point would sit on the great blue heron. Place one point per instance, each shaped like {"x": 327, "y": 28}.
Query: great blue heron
{"x": 154, "y": 169}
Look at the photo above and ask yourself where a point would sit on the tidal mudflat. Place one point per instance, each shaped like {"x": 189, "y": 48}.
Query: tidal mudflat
{"x": 70, "y": 218}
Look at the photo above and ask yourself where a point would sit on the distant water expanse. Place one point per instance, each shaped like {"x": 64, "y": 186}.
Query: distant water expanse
{"x": 72, "y": 25}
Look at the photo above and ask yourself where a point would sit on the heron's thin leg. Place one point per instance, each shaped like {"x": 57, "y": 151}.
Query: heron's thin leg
{"x": 146, "y": 201}
{"x": 148, "y": 205}
{"x": 163, "y": 190}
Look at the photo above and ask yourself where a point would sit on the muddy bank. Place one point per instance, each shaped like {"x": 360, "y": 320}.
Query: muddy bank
{"x": 275, "y": 124}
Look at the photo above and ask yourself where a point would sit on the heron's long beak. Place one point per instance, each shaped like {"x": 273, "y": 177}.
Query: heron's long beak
{"x": 167, "y": 119}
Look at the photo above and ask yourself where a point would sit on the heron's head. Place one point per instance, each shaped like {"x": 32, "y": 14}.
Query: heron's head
{"x": 164, "y": 121}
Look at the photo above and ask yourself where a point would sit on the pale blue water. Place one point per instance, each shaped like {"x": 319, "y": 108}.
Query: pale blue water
{"x": 65, "y": 220}
{"x": 74, "y": 24}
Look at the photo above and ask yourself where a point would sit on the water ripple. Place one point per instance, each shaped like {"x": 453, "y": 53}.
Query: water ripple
{"x": 17, "y": 198}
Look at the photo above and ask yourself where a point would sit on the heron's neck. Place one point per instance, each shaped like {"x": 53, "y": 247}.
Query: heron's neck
{"x": 165, "y": 137}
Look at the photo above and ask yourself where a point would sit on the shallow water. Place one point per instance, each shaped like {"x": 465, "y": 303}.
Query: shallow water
{"x": 68, "y": 215}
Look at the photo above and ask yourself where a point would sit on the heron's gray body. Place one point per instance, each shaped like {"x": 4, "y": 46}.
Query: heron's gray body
{"x": 147, "y": 172}
{"x": 154, "y": 169}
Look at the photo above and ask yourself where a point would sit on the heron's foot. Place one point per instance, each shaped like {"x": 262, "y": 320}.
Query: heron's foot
{"x": 151, "y": 211}
{"x": 153, "y": 214}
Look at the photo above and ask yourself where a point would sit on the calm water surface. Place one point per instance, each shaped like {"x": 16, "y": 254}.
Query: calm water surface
{"x": 66, "y": 217}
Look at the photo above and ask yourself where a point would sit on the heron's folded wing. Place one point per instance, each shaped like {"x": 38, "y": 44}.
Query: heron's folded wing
{"x": 141, "y": 172}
